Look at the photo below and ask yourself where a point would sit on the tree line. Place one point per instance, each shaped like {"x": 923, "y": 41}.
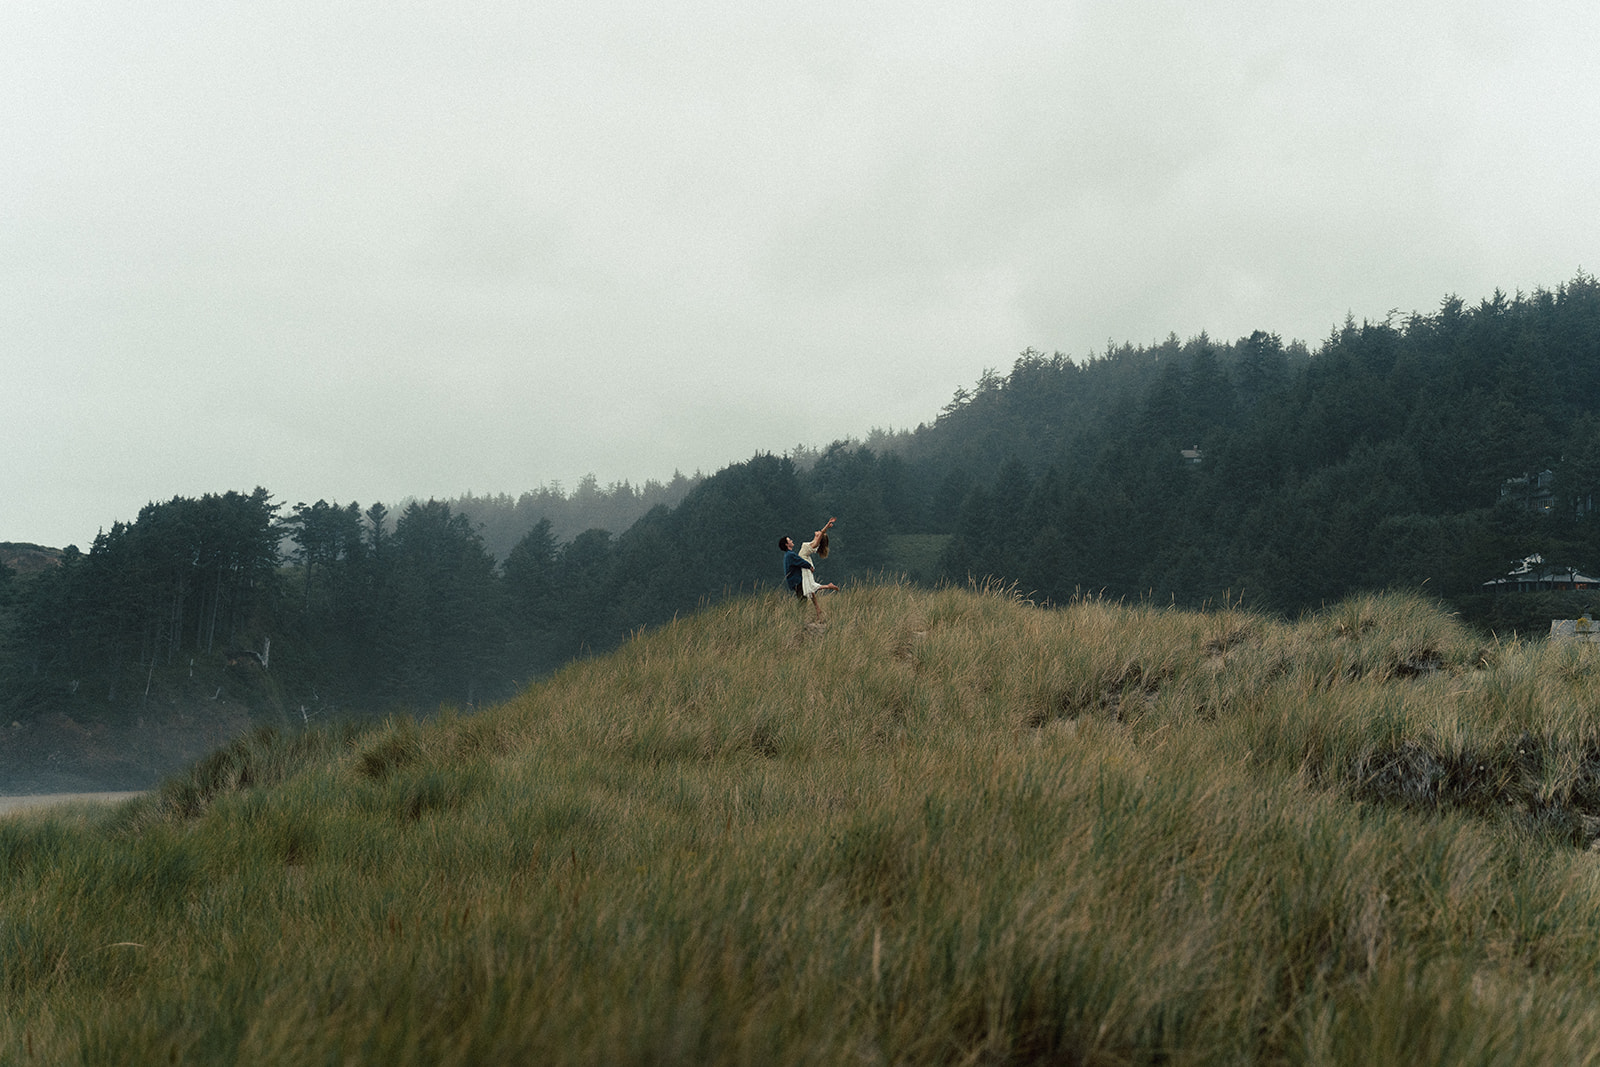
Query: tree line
{"x": 503, "y": 519}
{"x": 335, "y": 607}
{"x": 1398, "y": 453}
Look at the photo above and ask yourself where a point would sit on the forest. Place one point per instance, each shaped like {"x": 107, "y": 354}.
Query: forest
{"x": 1426, "y": 452}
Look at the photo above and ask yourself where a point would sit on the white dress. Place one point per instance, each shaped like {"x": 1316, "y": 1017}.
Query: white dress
{"x": 808, "y": 576}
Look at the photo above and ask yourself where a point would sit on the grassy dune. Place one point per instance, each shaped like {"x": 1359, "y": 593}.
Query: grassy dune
{"x": 951, "y": 828}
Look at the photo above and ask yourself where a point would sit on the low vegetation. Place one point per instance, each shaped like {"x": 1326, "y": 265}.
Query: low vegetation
{"x": 949, "y": 827}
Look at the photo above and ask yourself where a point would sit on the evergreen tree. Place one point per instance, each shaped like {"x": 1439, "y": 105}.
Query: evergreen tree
{"x": 440, "y": 617}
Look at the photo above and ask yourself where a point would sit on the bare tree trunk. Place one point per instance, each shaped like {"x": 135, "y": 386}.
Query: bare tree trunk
{"x": 200, "y": 620}
{"x": 216, "y": 602}
{"x": 175, "y": 636}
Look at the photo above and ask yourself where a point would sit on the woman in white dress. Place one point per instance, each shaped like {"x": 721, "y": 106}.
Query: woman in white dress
{"x": 816, "y": 548}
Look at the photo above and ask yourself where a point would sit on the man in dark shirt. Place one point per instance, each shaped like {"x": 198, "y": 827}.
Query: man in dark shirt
{"x": 792, "y": 565}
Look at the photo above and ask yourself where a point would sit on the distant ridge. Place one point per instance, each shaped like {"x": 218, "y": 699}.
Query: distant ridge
{"x": 28, "y": 559}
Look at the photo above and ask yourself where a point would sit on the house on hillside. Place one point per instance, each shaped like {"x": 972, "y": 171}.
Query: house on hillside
{"x": 1535, "y": 492}
{"x": 1533, "y": 575}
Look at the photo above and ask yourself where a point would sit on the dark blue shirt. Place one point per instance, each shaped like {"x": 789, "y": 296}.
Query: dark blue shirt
{"x": 792, "y": 566}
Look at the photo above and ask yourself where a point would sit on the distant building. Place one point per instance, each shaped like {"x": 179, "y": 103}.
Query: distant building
{"x": 1533, "y": 575}
{"x": 1191, "y": 456}
{"x": 1535, "y": 492}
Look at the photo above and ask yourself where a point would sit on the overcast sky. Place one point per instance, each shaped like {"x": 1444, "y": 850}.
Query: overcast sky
{"x": 363, "y": 251}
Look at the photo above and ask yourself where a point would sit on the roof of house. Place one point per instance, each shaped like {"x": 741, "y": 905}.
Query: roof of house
{"x": 1532, "y": 569}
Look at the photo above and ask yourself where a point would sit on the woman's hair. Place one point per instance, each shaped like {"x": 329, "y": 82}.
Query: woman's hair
{"x": 822, "y": 544}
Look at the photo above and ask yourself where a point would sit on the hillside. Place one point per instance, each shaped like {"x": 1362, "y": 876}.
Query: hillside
{"x": 1400, "y": 454}
{"x": 28, "y": 559}
{"x": 1431, "y": 452}
{"x": 949, "y": 827}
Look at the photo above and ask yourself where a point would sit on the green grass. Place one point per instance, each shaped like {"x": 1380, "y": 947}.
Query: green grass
{"x": 950, "y": 828}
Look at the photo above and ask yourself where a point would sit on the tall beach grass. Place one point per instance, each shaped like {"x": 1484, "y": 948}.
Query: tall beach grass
{"x": 949, "y": 827}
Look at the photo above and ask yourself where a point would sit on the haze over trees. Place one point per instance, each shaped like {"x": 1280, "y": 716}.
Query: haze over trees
{"x": 502, "y": 520}
{"x": 1399, "y": 453}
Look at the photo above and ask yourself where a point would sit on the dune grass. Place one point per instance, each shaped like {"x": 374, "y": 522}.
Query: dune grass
{"x": 951, "y": 827}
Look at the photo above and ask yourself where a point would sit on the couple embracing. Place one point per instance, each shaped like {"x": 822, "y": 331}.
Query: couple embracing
{"x": 798, "y": 571}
